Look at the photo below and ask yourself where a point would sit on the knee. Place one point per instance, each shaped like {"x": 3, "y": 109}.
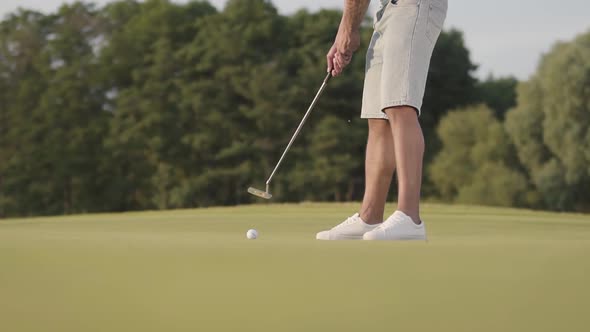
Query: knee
{"x": 378, "y": 126}
{"x": 401, "y": 115}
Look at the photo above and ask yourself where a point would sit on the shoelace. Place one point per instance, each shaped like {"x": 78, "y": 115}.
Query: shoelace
{"x": 390, "y": 223}
{"x": 348, "y": 221}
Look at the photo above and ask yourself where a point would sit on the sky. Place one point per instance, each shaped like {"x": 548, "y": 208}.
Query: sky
{"x": 505, "y": 37}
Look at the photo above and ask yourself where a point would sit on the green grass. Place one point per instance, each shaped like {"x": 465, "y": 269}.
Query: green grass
{"x": 483, "y": 269}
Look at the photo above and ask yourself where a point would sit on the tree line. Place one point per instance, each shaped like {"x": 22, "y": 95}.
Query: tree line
{"x": 157, "y": 105}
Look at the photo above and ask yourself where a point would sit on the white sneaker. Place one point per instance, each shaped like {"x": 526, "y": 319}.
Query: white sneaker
{"x": 352, "y": 228}
{"x": 398, "y": 226}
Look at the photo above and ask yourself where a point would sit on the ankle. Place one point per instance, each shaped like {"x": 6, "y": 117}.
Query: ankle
{"x": 414, "y": 215}
{"x": 370, "y": 219}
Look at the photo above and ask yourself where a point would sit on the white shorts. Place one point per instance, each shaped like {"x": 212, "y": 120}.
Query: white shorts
{"x": 399, "y": 54}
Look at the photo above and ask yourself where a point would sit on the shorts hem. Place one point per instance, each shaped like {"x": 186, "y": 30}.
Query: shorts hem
{"x": 381, "y": 116}
{"x": 401, "y": 103}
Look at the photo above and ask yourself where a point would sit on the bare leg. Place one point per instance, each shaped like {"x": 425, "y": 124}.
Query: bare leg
{"x": 409, "y": 151}
{"x": 379, "y": 168}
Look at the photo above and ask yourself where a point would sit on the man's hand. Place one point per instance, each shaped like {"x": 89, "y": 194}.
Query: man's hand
{"x": 340, "y": 54}
{"x": 348, "y": 38}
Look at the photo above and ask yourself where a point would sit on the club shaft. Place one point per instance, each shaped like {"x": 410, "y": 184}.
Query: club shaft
{"x": 314, "y": 101}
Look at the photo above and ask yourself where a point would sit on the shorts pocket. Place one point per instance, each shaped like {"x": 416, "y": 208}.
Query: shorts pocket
{"x": 378, "y": 18}
{"x": 436, "y": 19}
{"x": 405, "y": 3}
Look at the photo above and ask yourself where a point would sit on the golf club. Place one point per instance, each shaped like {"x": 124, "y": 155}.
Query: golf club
{"x": 266, "y": 194}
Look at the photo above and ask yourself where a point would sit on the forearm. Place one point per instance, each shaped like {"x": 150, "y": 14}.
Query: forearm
{"x": 354, "y": 14}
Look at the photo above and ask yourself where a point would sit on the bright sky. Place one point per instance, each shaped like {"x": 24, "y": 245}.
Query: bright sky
{"x": 506, "y": 37}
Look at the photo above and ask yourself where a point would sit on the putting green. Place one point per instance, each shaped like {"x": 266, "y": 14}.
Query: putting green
{"x": 483, "y": 269}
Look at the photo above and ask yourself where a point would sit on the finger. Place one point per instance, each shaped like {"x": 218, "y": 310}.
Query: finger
{"x": 336, "y": 72}
{"x": 330, "y": 58}
{"x": 340, "y": 66}
{"x": 343, "y": 60}
{"x": 337, "y": 66}
{"x": 335, "y": 69}
{"x": 340, "y": 61}
{"x": 345, "y": 57}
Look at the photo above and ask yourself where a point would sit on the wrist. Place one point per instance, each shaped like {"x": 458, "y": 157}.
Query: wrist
{"x": 346, "y": 27}
{"x": 346, "y": 31}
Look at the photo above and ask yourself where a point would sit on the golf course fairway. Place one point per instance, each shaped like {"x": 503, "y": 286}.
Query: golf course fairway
{"x": 483, "y": 269}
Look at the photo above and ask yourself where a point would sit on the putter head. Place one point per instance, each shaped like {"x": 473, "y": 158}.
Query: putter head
{"x": 259, "y": 193}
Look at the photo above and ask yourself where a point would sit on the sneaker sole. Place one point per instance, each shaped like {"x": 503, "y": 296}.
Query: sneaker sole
{"x": 344, "y": 238}
{"x": 405, "y": 238}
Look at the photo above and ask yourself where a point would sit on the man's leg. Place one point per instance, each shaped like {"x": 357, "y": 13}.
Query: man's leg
{"x": 409, "y": 151}
{"x": 379, "y": 168}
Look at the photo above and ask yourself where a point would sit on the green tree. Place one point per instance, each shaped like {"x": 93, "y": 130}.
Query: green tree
{"x": 451, "y": 84}
{"x": 55, "y": 137}
{"x": 231, "y": 100}
{"x": 23, "y": 36}
{"x": 336, "y": 157}
{"x": 476, "y": 162}
{"x": 550, "y": 125}
{"x": 144, "y": 76}
{"x": 498, "y": 93}
{"x": 72, "y": 120}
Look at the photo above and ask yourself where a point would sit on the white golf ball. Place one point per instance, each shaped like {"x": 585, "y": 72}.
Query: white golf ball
{"x": 252, "y": 234}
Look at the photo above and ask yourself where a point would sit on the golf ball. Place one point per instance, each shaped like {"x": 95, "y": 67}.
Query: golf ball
{"x": 252, "y": 234}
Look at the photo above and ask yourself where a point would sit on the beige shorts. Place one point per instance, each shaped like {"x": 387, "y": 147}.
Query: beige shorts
{"x": 399, "y": 54}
